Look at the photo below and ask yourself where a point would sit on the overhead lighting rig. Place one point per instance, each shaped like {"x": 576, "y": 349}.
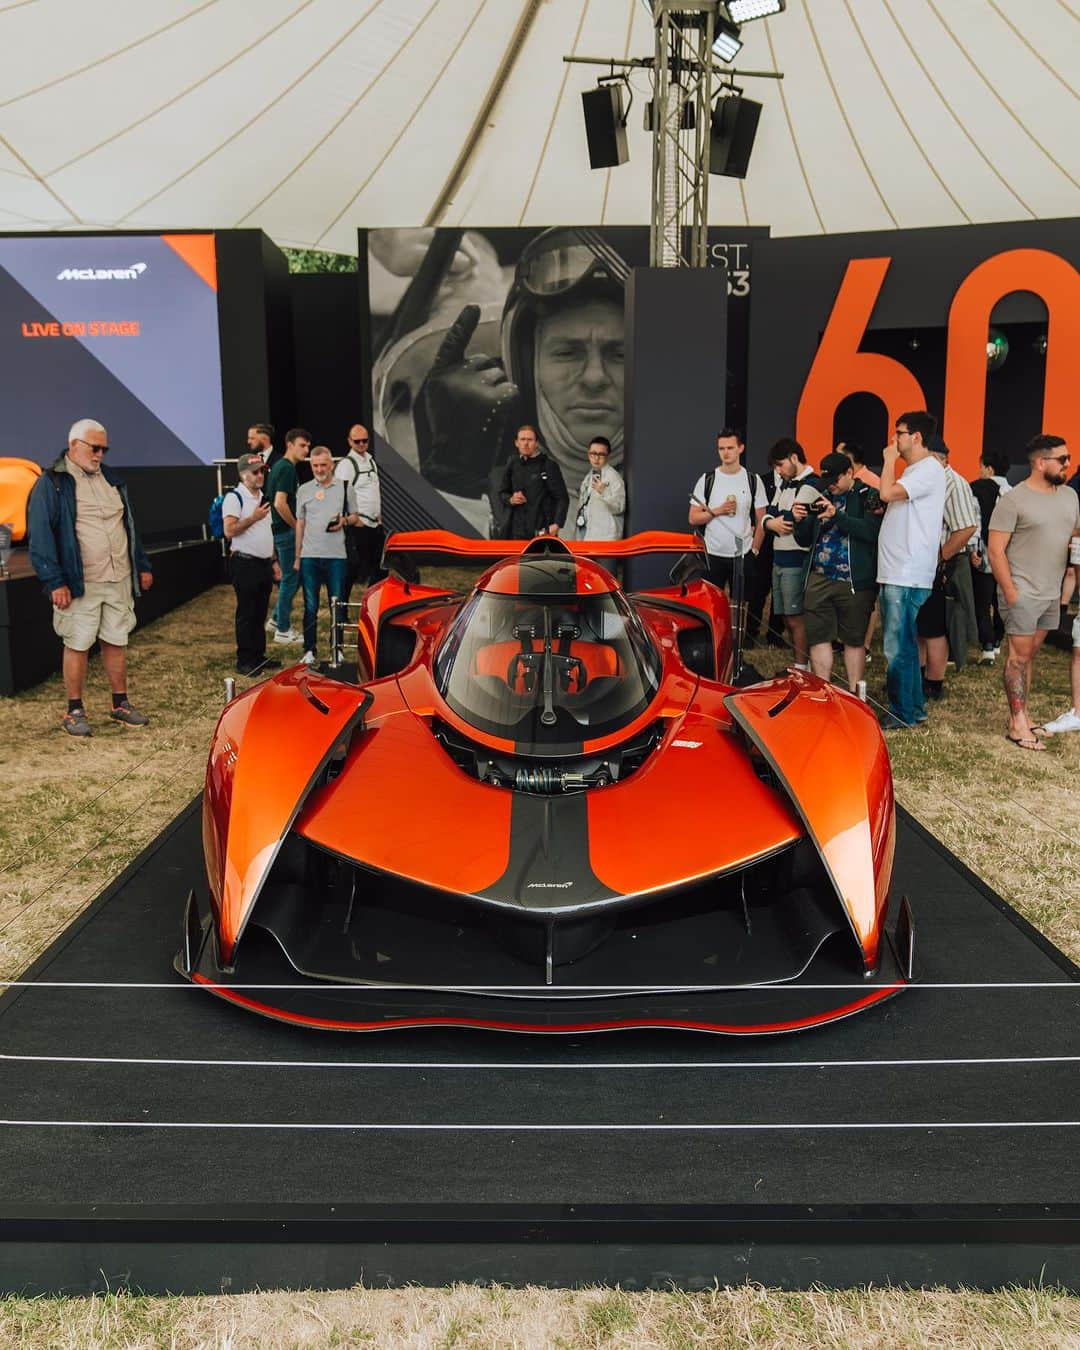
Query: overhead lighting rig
{"x": 690, "y": 138}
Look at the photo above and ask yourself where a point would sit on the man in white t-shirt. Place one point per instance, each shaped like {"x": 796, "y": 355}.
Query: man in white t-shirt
{"x": 907, "y": 559}
{"x": 728, "y": 504}
{"x": 253, "y": 569}
{"x": 363, "y": 542}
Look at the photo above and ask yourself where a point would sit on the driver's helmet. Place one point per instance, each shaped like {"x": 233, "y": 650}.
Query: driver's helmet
{"x": 563, "y": 266}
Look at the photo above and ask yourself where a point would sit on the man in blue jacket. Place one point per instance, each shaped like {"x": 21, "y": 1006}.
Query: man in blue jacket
{"x": 91, "y": 565}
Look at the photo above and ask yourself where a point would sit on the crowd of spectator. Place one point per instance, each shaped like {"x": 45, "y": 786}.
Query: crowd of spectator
{"x": 946, "y": 562}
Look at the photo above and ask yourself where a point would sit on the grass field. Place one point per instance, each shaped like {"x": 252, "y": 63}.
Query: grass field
{"x": 73, "y": 813}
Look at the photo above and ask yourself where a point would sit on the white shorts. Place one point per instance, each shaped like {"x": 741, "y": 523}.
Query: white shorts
{"x": 105, "y": 611}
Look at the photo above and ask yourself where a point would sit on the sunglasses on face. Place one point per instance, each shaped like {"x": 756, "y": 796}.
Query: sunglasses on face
{"x": 1057, "y": 459}
{"x": 94, "y": 449}
{"x": 358, "y": 440}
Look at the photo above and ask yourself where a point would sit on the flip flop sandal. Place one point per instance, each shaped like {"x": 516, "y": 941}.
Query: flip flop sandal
{"x": 1026, "y": 742}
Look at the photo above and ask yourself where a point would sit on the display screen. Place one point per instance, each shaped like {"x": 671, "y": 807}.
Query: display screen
{"x": 119, "y": 328}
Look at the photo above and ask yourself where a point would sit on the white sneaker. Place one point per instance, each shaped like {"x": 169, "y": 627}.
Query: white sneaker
{"x": 987, "y": 656}
{"x": 1069, "y": 721}
{"x": 309, "y": 659}
{"x": 288, "y": 637}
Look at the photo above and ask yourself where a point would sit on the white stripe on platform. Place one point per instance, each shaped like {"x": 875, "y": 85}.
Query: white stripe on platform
{"x": 540, "y": 989}
{"x": 475, "y": 1065}
{"x": 532, "y": 1127}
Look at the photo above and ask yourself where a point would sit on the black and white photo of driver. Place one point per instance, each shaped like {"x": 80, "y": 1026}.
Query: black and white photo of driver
{"x": 460, "y": 366}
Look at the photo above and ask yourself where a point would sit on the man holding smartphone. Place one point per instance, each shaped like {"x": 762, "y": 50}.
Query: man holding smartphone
{"x": 601, "y": 497}
{"x": 323, "y": 509}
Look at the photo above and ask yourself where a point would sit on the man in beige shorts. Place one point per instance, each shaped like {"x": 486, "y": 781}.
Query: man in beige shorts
{"x": 87, "y": 555}
{"x": 1029, "y": 535}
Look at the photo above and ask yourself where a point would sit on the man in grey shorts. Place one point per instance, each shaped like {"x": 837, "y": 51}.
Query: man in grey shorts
{"x": 88, "y": 557}
{"x": 1029, "y": 538}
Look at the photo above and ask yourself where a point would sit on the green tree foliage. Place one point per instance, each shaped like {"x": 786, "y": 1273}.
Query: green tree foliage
{"x": 319, "y": 260}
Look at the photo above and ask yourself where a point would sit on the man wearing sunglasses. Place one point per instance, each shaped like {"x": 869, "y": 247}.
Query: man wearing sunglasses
{"x": 253, "y": 568}
{"x": 1029, "y": 542}
{"x": 363, "y": 542}
{"x": 86, "y": 552}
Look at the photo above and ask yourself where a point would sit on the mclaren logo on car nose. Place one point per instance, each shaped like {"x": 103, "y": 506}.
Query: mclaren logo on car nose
{"x": 131, "y": 273}
{"x": 549, "y": 885}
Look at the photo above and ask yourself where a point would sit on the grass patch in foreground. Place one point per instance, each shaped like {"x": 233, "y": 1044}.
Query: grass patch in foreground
{"x": 536, "y": 1319}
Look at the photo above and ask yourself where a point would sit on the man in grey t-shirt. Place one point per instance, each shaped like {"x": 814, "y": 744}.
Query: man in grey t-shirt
{"x": 1029, "y": 538}
{"x": 323, "y": 509}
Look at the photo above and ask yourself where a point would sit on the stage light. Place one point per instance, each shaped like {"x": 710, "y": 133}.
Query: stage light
{"x": 997, "y": 349}
{"x": 727, "y": 43}
{"x": 742, "y": 11}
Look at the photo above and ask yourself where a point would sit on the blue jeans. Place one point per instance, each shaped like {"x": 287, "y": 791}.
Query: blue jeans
{"x": 900, "y": 606}
{"x": 285, "y": 548}
{"x": 315, "y": 573}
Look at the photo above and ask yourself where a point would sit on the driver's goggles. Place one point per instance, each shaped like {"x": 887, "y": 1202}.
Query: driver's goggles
{"x": 566, "y": 258}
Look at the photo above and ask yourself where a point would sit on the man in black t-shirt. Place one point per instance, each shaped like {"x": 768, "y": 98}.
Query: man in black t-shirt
{"x": 281, "y": 489}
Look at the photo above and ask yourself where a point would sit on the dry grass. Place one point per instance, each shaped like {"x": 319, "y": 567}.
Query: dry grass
{"x": 72, "y": 814}
{"x": 535, "y": 1319}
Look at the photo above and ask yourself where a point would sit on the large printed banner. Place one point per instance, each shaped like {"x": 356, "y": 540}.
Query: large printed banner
{"x": 120, "y": 328}
{"x": 980, "y": 324}
{"x": 476, "y": 331}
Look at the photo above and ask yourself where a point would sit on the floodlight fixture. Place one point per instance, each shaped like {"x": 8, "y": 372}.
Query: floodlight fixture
{"x": 742, "y": 11}
{"x": 726, "y": 43}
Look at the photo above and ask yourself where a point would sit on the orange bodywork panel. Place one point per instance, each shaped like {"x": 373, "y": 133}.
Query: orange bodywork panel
{"x": 462, "y": 841}
{"x": 696, "y": 808}
{"x": 433, "y": 542}
{"x": 827, "y": 749}
{"x": 268, "y": 746}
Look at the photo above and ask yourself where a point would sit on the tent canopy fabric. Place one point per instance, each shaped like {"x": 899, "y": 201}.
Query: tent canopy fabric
{"x": 309, "y": 118}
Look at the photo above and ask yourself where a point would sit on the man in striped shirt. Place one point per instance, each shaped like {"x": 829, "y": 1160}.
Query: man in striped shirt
{"x": 958, "y": 526}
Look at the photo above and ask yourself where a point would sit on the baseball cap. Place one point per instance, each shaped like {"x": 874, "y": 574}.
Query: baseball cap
{"x": 937, "y": 446}
{"x": 249, "y": 462}
{"x": 833, "y": 466}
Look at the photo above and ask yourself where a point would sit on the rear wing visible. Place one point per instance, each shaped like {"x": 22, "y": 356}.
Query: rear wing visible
{"x": 406, "y": 552}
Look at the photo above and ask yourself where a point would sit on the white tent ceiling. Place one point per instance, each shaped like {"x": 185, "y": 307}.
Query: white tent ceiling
{"x": 309, "y": 118}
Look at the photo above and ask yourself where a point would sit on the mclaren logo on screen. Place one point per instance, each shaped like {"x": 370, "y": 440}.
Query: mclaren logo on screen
{"x": 131, "y": 273}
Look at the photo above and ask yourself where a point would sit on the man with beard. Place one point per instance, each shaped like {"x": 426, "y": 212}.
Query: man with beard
{"x": 1029, "y": 538}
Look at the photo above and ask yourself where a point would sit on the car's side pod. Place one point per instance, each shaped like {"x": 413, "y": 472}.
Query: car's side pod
{"x": 827, "y": 753}
{"x": 255, "y": 791}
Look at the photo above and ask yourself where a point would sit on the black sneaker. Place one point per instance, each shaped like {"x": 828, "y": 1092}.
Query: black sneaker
{"x": 260, "y": 668}
{"x": 887, "y": 722}
{"x": 76, "y": 724}
{"x": 129, "y": 716}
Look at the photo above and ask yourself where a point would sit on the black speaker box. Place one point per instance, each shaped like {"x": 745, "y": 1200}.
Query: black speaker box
{"x": 734, "y": 126}
{"x": 604, "y": 126}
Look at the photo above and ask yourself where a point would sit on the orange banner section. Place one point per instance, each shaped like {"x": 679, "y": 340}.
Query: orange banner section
{"x": 199, "y": 251}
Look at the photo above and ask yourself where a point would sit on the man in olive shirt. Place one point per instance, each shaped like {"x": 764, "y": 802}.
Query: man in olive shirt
{"x": 281, "y": 489}
{"x": 1029, "y": 538}
{"x": 88, "y": 557}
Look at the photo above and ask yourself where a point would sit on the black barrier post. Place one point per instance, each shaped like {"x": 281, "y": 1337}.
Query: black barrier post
{"x": 738, "y": 610}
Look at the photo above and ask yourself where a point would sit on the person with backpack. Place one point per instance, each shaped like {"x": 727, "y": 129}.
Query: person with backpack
{"x": 253, "y": 568}
{"x": 363, "y": 542}
{"x": 727, "y": 506}
{"x": 325, "y": 507}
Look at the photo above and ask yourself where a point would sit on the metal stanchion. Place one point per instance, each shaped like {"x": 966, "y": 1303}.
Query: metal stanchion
{"x": 738, "y": 587}
{"x": 230, "y": 688}
{"x": 335, "y": 633}
{"x": 860, "y": 690}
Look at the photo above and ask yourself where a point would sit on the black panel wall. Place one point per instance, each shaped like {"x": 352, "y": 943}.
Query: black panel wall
{"x": 676, "y": 340}
{"x": 257, "y": 378}
{"x": 329, "y": 333}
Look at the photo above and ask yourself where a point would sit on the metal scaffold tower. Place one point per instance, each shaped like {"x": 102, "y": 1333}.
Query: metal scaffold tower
{"x": 681, "y": 124}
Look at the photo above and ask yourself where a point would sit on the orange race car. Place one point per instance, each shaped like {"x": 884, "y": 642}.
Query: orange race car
{"x": 542, "y": 805}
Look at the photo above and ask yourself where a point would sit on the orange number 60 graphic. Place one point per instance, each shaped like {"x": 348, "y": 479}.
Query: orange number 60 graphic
{"x": 840, "y": 369}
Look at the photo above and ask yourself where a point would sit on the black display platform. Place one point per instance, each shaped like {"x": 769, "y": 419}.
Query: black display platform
{"x": 154, "y": 1138}
{"x": 29, "y": 649}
